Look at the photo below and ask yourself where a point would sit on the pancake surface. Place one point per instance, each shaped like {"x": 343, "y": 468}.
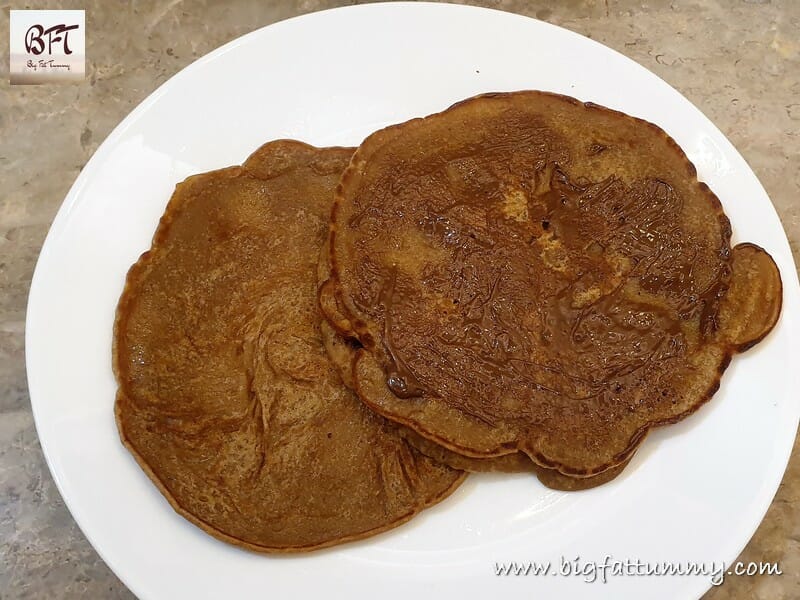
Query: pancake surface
{"x": 529, "y": 273}
{"x": 342, "y": 354}
{"x": 226, "y": 396}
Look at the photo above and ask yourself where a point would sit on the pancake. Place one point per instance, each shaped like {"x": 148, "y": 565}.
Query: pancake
{"x": 226, "y": 396}
{"x": 342, "y": 352}
{"x": 516, "y": 462}
{"x": 528, "y": 273}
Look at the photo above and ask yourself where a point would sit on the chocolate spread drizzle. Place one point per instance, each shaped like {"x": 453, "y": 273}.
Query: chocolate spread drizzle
{"x": 399, "y": 378}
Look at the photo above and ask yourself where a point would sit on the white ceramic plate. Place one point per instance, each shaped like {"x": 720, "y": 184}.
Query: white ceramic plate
{"x": 695, "y": 491}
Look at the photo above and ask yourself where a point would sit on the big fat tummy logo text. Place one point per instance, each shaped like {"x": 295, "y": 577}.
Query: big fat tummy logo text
{"x": 47, "y": 46}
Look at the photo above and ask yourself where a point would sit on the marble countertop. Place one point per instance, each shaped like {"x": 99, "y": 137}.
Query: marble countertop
{"x": 738, "y": 61}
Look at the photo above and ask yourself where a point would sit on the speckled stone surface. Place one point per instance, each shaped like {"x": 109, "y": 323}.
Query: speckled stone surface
{"x": 738, "y": 61}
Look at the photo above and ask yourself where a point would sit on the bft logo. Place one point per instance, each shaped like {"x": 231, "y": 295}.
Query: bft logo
{"x": 47, "y": 46}
{"x": 37, "y": 35}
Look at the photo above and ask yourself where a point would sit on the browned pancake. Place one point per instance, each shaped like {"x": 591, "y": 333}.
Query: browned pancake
{"x": 516, "y": 462}
{"x": 529, "y": 273}
{"x": 342, "y": 353}
{"x": 226, "y": 396}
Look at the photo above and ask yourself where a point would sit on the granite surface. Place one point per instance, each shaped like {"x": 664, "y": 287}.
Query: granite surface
{"x": 738, "y": 61}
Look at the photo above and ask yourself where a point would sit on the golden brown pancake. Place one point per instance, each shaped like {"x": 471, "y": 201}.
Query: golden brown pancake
{"x": 529, "y": 273}
{"x": 342, "y": 353}
{"x": 226, "y": 396}
{"x": 516, "y": 462}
